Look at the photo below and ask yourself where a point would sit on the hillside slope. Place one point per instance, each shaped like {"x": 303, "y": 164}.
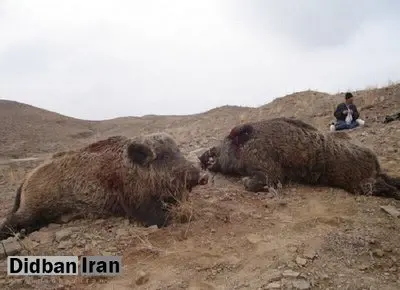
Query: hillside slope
{"x": 25, "y": 129}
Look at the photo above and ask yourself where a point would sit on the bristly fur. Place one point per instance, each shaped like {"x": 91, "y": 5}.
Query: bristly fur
{"x": 118, "y": 176}
{"x": 283, "y": 150}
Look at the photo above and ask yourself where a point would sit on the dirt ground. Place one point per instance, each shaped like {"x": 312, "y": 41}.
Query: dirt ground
{"x": 302, "y": 238}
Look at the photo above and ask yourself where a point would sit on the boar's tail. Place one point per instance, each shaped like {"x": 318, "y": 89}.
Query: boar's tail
{"x": 17, "y": 201}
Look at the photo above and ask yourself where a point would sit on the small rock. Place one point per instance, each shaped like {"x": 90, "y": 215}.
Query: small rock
{"x": 301, "y": 261}
{"x": 391, "y": 210}
{"x": 301, "y": 284}
{"x": 292, "y": 249}
{"x": 310, "y": 254}
{"x": 99, "y": 222}
{"x": 213, "y": 230}
{"x": 112, "y": 249}
{"x": 270, "y": 195}
{"x": 64, "y": 245}
{"x": 378, "y": 253}
{"x": 63, "y": 234}
{"x": 254, "y": 238}
{"x": 153, "y": 227}
{"x": 274, "y": 285}
{"x": 290, "y": 274}
{"x": 42, "y": 237}
{"x": 67, "y": 218}
{"x": 324, "y": 276}
{"x": 273, "y": 276}
{"x": 11, "y": 246}
{"x": 304, "y": 275}
{"x": 363, "y": 267}
{"x": 29, "y": 244}
{"x": 53, "y": 226}
{"x": 143, "y": 278}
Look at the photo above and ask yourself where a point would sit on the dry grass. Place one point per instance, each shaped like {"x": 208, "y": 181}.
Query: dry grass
{"x": 13, "y": 175}
{"x": 183, "y": 212}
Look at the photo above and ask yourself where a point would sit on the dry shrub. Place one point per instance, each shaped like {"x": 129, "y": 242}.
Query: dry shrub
{"x": 182, "y": 212}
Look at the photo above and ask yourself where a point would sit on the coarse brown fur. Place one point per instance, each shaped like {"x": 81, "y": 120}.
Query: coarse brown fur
{"x": 283, "y": 150}
{"x": 136, "y": 178}
{"x": 99, "y": 146}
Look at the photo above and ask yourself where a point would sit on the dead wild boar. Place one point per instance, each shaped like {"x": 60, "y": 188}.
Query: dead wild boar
{"x": 138, "y": 178}
{"x": 283, "y": 150}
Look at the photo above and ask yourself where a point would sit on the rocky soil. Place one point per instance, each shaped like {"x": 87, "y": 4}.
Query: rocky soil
{"x": 300, "y": 238}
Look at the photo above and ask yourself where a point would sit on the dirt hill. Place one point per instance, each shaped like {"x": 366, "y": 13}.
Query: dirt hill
{"x": 304, "y": 238}
{"x": 27, "y": 130}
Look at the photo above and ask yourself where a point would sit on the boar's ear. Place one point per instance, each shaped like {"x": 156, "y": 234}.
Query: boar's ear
{"x": 139, "y": 153}
{"x": 241, "y": 134}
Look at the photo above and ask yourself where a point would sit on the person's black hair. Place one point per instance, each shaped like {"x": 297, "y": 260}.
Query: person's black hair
{"x": 348, "y": 95}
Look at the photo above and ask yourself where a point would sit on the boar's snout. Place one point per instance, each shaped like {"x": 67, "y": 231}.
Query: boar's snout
{"x": 209, "y": 158}
{"x": 195, "y": 177}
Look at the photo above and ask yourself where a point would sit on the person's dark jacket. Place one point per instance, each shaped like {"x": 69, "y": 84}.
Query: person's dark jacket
{"x": 342, "y": 107}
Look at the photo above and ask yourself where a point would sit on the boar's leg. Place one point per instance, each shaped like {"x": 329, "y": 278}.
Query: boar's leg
{"x": 393, "y": 181}
{"x": 381, "y": 188}
{"x": 257, "y": 180}
{"x": 19, "y": 220}
{"x": 155, "y": 212}
{"x": 30, "y": 218}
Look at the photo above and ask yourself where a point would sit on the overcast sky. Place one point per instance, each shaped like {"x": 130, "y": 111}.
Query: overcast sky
{"x": 98, "y": 59}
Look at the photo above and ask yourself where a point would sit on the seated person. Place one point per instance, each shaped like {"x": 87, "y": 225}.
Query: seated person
{"x": 347, "y": 116}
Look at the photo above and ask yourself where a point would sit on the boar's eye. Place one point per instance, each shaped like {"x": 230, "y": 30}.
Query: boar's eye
{"x": 139, "y": 153}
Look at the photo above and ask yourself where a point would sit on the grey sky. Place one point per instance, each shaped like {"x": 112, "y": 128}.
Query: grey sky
{"x": 103, "y": 59}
